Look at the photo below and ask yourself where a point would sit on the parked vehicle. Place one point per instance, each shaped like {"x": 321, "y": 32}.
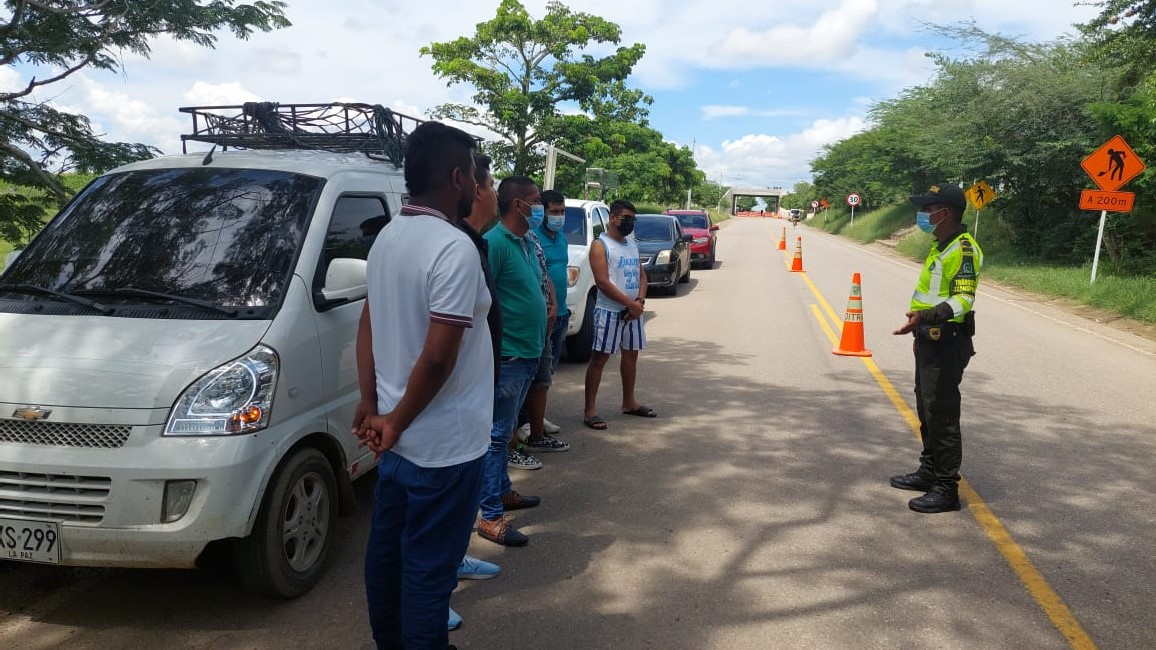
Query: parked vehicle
{"x": 585, "y": 220}
{"x": 698, "y": 225}
{"x": 664, "y": 251}
{"x": 177, "y": 354}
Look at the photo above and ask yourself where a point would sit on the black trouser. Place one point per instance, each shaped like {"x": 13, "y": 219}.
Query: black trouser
{"x": 939, "y": 368}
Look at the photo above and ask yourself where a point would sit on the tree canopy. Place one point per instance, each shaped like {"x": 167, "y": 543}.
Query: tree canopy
{"x": 38, "y": 141}
{"x": 523, "y": 69}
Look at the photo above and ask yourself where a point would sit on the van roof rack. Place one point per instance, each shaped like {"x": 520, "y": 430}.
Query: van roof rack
{"x": 372, "y": 129}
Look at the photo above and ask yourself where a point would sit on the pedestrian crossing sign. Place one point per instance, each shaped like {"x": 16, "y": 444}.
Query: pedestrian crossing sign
{"x": 980, "y": 194}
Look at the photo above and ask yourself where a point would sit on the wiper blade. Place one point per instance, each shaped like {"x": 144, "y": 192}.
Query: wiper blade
{"x": 158, "y": 295}
{"x": 29, "y": 288}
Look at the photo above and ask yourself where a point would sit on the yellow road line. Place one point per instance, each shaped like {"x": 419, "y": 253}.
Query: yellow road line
{"x": 1057, "y": 612}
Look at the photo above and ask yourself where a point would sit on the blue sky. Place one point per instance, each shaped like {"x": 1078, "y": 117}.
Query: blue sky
{"x": 758, "y": 87}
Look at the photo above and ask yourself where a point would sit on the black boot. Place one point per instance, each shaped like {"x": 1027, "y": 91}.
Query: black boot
{"x": 913, "y": 481}
{"x": 935, "y": 501}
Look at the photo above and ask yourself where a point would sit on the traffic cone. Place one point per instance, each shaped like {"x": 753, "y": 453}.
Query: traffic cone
{"x": 783, "y": 240}
{"x": 797, "y": 263}
{"x": 851, "y": 342}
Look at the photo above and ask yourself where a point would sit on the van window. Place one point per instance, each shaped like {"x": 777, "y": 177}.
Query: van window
{"x": 229, "y": 237}
{"x": 352, "y": 230}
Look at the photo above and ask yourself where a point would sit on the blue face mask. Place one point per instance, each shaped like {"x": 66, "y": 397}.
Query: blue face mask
{"x": 556, "y": 222}
{"x": 537, "y": 216}
{"x": 923, "y": 220}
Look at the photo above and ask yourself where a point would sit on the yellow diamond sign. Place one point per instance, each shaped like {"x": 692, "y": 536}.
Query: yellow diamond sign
{"x": 980, "y": 194}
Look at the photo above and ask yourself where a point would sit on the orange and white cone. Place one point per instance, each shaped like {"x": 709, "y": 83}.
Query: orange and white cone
{"x": 797, "y": 262}
{"x": 851, "y": 342}
{"x": 783, "y": 240}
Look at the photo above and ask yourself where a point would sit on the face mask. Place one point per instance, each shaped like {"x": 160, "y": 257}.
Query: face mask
{"x": 923, "y": 220}
{"x": 555, "y": 222}
{"x": 537, "y": 215}
{"x": 626, "y": 226}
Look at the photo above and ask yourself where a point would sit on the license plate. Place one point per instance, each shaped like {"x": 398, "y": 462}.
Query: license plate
{"x": 27, "y": 540}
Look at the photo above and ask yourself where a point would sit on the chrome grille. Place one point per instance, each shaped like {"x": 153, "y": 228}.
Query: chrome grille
{"x": 644, "y": 259}
{"x": 65, "y": 434}
{"x": 54, "y": 496}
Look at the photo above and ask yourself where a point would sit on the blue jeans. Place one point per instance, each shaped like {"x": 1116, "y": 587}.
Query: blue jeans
{"x": 419, "y": 532}
{"x": 513, "y": 384}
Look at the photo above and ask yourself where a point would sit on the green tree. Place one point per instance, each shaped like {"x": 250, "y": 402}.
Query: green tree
{"x": 522, "y": 69}
{"x": 39, "y": 142}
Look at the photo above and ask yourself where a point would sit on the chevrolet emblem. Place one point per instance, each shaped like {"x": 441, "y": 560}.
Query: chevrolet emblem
{"x": 31, "y": 413}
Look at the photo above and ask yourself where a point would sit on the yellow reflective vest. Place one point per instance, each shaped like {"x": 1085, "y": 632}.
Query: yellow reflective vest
{"x": 950, "y": 276}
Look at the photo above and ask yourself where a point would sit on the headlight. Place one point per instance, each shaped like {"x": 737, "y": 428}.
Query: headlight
{"x": 572, "y": 275}
{"x": 235, "y": 398}
{"x": 663, "y": 258}
{"x": 701, "y": 240}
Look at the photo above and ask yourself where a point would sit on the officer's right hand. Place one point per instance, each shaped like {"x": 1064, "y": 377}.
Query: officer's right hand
{"x": 910, "y": 325}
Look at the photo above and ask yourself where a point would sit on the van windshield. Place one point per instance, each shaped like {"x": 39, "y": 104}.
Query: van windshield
{"x": 575, "y": 227}
{"x": 227, "y": 237}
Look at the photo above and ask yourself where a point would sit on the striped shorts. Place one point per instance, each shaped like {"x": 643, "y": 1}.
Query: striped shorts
{"x": 612, "y": 334}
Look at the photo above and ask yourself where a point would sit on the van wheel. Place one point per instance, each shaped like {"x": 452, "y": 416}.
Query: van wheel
{"x": 286, "y": 553}
{"x": 685, "y": 276}
{"x": 578, "y": 347}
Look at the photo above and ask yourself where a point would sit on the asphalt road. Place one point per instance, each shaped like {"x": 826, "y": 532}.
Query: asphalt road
{"x": 755, "y": 511}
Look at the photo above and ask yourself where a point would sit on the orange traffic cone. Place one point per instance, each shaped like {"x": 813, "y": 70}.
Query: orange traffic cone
{"x": 851, "y": 343}
{"x": 797, "y": 263}
{"x": 783, "y": 240}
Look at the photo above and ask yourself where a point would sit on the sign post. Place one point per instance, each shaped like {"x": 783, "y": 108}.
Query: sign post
{"x": 1110, "y": 167}
{"x": 853, "y": 200}
{"x": 979, "y": 195}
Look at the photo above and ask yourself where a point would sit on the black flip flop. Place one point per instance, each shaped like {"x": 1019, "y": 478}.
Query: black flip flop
{"x": 643, "y": 411}
{"x": 595, "y": 422}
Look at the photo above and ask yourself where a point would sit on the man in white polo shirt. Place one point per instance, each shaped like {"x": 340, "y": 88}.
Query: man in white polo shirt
{"x": 425, "y": 363}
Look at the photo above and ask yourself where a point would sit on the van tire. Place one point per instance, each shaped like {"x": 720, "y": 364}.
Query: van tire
{"x": 578, "y": 347}
{"x": 287, "y": 564}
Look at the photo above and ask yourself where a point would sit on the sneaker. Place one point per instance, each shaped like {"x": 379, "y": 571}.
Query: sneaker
{"x": 499, "y": 531}
{"x": 549, "y": 427}
{"x": 521, "y": 460}
{"x": 523, "y": 432}
{"x": 472, "y": 568}
{"x": 934, "y": 502}
{"x": 548, "y": 443}
{"x": 514, "y": 501}
{"x": 914, "y": 481}
{"x": 455, "y": 620}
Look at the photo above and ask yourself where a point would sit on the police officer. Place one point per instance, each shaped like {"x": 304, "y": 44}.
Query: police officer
{"x": 943, "y": 323}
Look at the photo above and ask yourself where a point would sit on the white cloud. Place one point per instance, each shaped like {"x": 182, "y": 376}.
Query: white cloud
{"x": 10, "y": 80}
{"x": 714, "y": 112}
{"x": 761, "y": 160}
{"x": 203, "y": 93}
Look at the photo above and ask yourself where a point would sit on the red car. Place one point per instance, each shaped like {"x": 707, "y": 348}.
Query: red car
{"x": 697, "y": 224}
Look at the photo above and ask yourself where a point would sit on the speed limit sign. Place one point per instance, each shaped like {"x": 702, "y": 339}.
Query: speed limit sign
{"x": 852, "y": 200}
{"x": 814, "y": 204}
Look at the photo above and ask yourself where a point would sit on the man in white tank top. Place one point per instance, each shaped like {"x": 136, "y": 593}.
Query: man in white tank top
{"x": 618, "y": 326}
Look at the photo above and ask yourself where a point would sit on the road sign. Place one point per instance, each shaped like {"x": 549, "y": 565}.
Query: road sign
{"x": 823, "y": 204}
{"x": 1110, "y": 201}
{"x": 980, "y": 194}
{"x": 1113, "y": 164}
{"x": 814, "y": 204}
{"x": 852, "y": 200}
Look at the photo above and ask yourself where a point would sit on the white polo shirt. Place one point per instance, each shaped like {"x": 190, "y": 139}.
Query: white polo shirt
{"x": 422, "y": 268}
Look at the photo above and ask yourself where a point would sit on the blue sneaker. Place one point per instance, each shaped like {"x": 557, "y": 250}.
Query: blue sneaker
{"x": 455, "y": 620}
{"x": 472, "y": 568}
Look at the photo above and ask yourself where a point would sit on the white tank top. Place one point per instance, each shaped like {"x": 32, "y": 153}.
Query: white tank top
{"x": 622, "y": 262}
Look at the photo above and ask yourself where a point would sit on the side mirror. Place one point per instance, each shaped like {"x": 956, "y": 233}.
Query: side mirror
{"x": 344, "y": 280}
{"x": 10, "y": 258}
{"x": 713, "y": 227}
{"x": 686, "y": 238}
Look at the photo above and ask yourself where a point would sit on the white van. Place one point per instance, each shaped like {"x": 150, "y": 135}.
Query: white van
{"x": 585, "y": 220}
{"x": 177, "y": 364}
